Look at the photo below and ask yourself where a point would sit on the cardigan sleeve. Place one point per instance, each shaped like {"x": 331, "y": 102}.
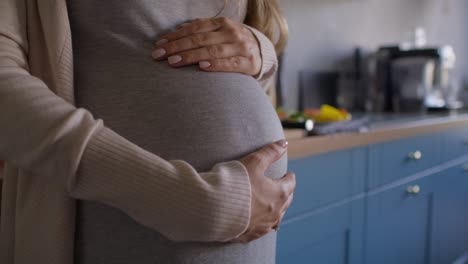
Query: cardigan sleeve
{"x": 269, "y": 59}
{"x": 43, "y": 134}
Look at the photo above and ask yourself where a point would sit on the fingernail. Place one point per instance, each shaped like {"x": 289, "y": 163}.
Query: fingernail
{"x": 204, "y": 64}
{"x": 174, "y": 59}
{"x": 283, "y": 143}
{"x": 158, "y": 53}
{"x": 161, "y": 41}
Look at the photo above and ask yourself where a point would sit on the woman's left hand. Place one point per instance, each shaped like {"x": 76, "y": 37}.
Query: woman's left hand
{"x": 217, "y": 44}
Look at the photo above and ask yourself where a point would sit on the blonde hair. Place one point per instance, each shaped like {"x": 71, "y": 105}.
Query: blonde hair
{"x": 266, "y": 16}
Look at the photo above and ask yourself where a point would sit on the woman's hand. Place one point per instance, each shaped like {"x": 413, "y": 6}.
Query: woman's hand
{"x": 217, "y": 44}
{"x": 270, "y": 198}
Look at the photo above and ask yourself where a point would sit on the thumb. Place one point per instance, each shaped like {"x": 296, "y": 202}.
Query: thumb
{"x": 288, "y": 183}
{"x": 270, "y": 153}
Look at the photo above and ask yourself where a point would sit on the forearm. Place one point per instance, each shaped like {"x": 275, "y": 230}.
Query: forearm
{"x": 168, "y": 196}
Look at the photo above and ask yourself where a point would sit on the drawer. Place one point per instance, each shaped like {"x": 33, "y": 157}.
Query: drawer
{"x": 455, "y": 143}
{"x": 327, "y": 178}
{"x": 398, "y": 220}
{"x": 394, "y": 160}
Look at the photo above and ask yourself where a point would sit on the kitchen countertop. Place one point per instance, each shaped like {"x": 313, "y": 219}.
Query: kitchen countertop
{"x": 382, "y": 127}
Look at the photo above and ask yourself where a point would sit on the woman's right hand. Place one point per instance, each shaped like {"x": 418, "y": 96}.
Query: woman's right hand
{"x": 270, "y": 197}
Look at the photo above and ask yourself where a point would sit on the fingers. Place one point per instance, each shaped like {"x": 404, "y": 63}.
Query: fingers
{"x": 221, "y": 57}
{"x": 232, "y": 64}
{"x": 217, "y": 44}
{"x": 195, "y": 27}
{"x": 192, "y": 42}
{"x": 287, "y": 185}
{"x": 253, "y": 234}
{"x": 268, "y": 154}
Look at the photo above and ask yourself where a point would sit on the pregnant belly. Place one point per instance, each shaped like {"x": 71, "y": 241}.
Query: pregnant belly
{"x": 202, "y": 118}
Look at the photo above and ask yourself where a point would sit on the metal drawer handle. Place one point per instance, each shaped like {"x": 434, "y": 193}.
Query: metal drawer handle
{"x": 417, "y": 155}
{"x": 413, "y": 189}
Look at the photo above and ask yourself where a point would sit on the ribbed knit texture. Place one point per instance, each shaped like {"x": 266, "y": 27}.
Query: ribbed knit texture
{"x": 47, "y": 137}
{"x": 159, "y": 193}
{"x": 269, "y": 58}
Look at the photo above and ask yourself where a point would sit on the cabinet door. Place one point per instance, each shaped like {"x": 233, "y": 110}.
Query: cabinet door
{"x": 450, "y": 216}
{"x": 455, "y": 143}
{"x": 328, "y": 236}
{"x": 398, "y": 220}
{"x": 327, "y": 178}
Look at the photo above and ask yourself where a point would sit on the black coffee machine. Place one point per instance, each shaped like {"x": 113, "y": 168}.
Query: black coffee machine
{"x": 412, "y": 80}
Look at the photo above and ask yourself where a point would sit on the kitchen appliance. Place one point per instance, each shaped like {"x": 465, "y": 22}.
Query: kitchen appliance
{"x": 413, "y": 80}
{"x": 317, "y": 88}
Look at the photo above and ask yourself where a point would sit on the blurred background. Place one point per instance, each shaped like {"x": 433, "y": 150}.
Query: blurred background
{"x": 326, "y": 35}
{"x": 373, "y": 96}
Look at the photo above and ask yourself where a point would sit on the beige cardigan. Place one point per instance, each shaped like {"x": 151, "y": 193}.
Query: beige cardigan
{"x": 56, "y": 153}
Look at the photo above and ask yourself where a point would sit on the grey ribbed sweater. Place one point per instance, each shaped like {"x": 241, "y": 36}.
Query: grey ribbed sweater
{"x": 185, "y": 114}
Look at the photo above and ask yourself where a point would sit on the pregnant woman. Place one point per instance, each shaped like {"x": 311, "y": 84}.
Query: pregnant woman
{"x": 170, "y": 177}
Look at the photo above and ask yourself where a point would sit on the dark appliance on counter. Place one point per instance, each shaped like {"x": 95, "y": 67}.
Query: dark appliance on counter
{"x": 413, "y": 80}
{"x": 340, "y": 87}
{"x": 317, "y": 88}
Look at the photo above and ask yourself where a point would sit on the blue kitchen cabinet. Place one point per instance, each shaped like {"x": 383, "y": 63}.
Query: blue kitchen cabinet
{"x": 397, "y": 223}
{"x": 394, "y": 160}
{"x": 455, "y": 143}
{"x": 449, "y": 229}
{"x": 329, "y": 236}
{"x": 324, "y": 223}
{"x": 327, "y": 178}
{"x": 401, "y": 201}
